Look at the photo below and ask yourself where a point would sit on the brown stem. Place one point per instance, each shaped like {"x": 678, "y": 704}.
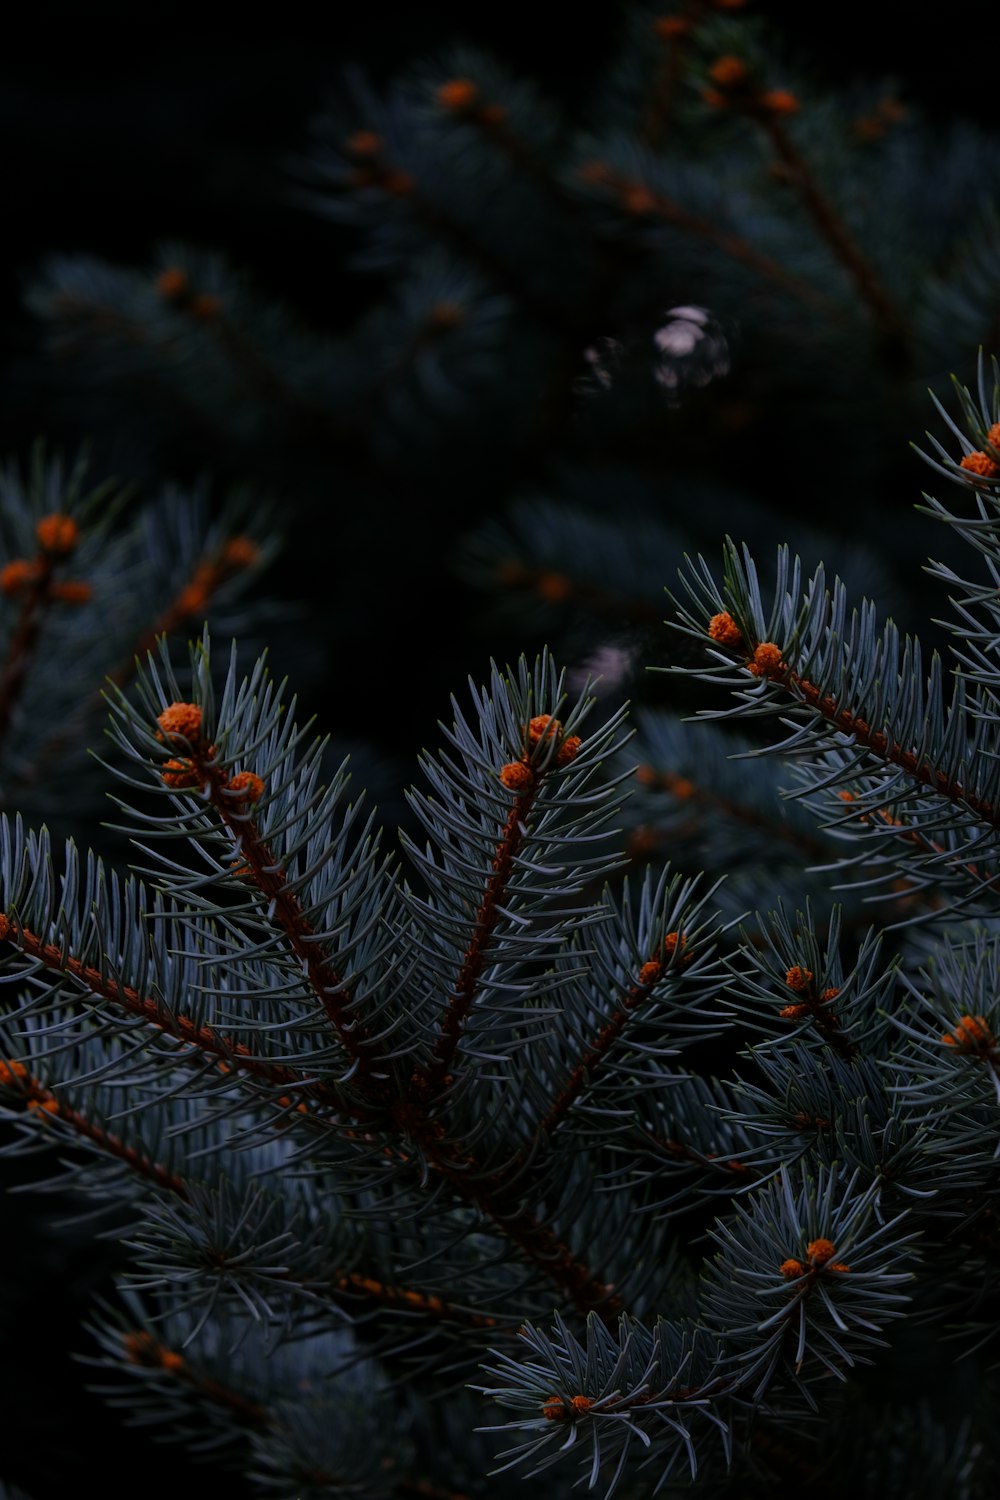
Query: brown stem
{"x": 585, "y": 1069}
{"x": 671, "y": 67}
{"x": 46, "y": 1102}
{"x": 499, "y": 1200}
{"x": 142, "y": 1349}
{"x": 227, "y": 1053}
{"x": 493, "y": 1197}
{"x": 733, "y": 245}
{"x": 878, "y": 742}
{"x": 679, "y": 1151}
{"x": 474, "y": 959}
{"x": 383, "y": 1294}
{"x": 490, "y": 119}
{"x": 826, "y": 1022}
{"x": 317, "y": 965}
{"x": 377, "y": 172}
{"x": 835, "y": 232}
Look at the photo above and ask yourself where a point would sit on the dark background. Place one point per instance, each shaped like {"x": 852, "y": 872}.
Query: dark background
{"x": 123, "y": 126}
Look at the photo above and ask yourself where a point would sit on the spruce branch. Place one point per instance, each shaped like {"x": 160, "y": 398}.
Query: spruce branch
{"x": 859, "y": 710}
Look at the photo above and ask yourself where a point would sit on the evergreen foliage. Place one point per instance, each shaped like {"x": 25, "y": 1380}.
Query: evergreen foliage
{"x": 628, "y": 1119}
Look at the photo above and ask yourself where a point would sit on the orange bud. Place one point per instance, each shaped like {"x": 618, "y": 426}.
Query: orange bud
{"x": 820, "y": 1251}
{"x": 17, "y": 575}
{"x": 650, "y": 973}
{"x": 517, "y": 776}
{"x": 48, "y": 1105}
{"x": 57, "y": 534}
{"x": 181, "y": 720}
{"x": 11, "y": 1071}
{"x": 637, "y": 199}
{"x": 555, "y": 1409}
{"x": 724, "y": 629}
{"x": 553, "y": 586}
{"x": 980, "y": 464}
{"x": 793, "y": 1012}
{"x": 458, "y": 94}
{"x": 568, "y": 749}
{"x": 671, "y": 27}
{"x": 363, "y": 143}
{"x": 580, "y": 1404}
{"x": 728, "y": 72}
{"x": 543, "y": 725}
{"x": 779, "y": 102}
{"x": 180, "y": 774}
{"x": 766, "y": 659}
{"x": 206, "y": 307}
{"x": 248, "y": 785}
{"x": 798, "y": 978}
{"x": 792, "y": 1268}
{"x": 240, "y": 552}
{"x": 971, "y": 1034}
{"x": 172, "y": 283}
{"x": 674, "y": 942}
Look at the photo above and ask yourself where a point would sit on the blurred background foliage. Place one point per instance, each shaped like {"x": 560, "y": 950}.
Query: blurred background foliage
{"x": 131, "y": 129}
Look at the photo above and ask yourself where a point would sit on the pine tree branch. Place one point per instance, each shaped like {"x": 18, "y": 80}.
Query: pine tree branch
{"x": 207, "y": 312}
{"x": 679, "y": 1151}
{"x": 583, "y": 1073}
{"x": 376, "y": 171}
{"x": 232, "y": 801}
{"x": 142, "y": 1349}
{"x": 463, "y": 991}
{"x": 190, "y": 605}
{"x": 836, "y": 233}
{"x": 409, "y": 1299}
{"x": 875, "y": 740}
{"x": 38, "y": 1099}
{"x": 228, "y": 1054}
{"x": 638, "y": 199}
{"x": 675, "y": 32}
{"x": 462, "y": 98}
{"x": 36, "y": 584}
